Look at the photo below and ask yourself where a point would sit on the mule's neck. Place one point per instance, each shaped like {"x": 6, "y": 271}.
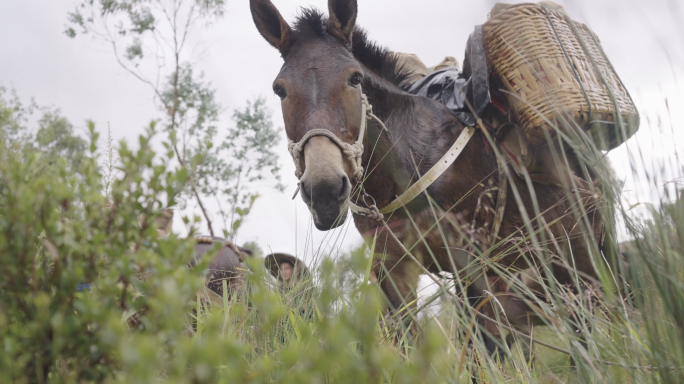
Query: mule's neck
{"x": 420, "y": 132}
{"x": 389, "y": 155}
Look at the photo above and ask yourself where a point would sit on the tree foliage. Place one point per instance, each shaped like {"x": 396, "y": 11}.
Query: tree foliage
{"x": 54, "y": 140}
{"x": 150, "y": 40}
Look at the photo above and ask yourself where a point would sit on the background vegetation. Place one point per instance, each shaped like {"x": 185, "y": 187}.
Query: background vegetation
{"x": 150, "y": 40}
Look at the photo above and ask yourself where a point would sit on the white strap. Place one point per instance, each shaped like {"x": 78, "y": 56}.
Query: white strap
{"x": 426, "y": 180}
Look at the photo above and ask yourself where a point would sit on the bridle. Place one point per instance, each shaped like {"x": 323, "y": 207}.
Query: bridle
{"x": 354, "y": 153}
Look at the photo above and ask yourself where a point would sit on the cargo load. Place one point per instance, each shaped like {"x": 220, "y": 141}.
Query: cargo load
{"x": 555, "y": 75}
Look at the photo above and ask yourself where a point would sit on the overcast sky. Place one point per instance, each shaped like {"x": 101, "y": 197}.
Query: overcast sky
{"x": 643, "y": 39}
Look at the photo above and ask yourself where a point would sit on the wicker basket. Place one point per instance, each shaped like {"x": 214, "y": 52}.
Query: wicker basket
{"x": 553, "y": 71}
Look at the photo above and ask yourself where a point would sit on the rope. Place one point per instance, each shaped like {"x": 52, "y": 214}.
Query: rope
{"x": 353, "y": 152}
{"x": 500, "y": 202}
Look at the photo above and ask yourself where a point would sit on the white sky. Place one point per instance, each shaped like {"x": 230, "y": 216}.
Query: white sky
{"x": 643, "y": 39}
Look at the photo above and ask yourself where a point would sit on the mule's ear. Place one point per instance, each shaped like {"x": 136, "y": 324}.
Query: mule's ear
{"x": 271, "y": 25}
{"x": 342, "y": 19}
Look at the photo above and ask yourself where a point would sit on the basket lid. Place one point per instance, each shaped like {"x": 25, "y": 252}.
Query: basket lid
{"x": 500, "y": 8}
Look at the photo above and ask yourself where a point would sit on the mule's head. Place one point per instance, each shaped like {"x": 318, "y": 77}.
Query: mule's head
{"x": 319, "y": 86}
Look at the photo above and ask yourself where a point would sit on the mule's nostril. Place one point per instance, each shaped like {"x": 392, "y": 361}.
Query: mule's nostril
{"x": 305, "y": 191}
{"x": 345, "y": 189}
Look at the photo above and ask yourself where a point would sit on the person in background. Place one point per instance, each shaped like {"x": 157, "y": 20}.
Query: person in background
{"x": 165, "y": 222}
{"x": 292, "y": 277}
{"x": 287, "y": 269}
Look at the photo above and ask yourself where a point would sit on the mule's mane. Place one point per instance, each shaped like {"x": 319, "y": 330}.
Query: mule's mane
{"x": 312, "y": 24}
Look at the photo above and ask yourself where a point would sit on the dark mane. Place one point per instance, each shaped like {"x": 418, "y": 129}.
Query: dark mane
{"x": 312, "y": 24}
{"x": 378, "y": 59}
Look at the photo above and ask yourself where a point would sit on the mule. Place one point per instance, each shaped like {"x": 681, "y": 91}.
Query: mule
{"x": 330, "y": 68}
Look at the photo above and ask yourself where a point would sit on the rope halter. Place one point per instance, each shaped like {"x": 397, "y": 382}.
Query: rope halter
{"x": 353, "y": 152}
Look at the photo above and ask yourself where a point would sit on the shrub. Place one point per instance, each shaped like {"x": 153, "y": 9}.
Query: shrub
{"x": 60, "y": 233}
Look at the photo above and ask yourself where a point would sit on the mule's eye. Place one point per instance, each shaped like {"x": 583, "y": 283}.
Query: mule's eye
{"x": 355, "y": 80}
{"x": 280, "y": 91}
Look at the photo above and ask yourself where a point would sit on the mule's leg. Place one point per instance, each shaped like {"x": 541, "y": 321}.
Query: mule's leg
{"x": 399, "y": 281}
{"x": 514, "y": 308}
{"x": 582, "y": 330}
{"x": 492, "y": 336}
{"x": 525, "y": 345}
{"x": 490, "y": 332}
{"x": 583, "y": 343}
{"x": 493, "y": 332}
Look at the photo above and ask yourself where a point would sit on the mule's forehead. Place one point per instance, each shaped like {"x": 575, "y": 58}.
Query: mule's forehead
{"x": 315, "y": 79}
{"x": 324, "y": 55}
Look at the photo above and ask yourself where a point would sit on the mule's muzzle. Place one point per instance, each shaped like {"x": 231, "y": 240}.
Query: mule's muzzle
{"x": 327, "y": 199}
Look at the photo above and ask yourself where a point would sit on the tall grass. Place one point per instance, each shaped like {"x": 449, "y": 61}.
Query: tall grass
{"x": 335, "y": 327}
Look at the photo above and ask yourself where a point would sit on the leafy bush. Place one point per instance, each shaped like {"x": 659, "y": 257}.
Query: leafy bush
{"x": 59, "y": 232}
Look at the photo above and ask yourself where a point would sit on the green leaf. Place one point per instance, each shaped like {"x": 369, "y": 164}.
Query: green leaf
{"x": 236, "y": 224}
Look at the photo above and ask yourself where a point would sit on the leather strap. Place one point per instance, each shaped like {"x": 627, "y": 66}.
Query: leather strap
{"x": 425, "y": 181}
{"x": 500, "y": 203}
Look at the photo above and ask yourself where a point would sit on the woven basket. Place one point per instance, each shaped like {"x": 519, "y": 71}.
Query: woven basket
{"x": 554, "y": 72}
